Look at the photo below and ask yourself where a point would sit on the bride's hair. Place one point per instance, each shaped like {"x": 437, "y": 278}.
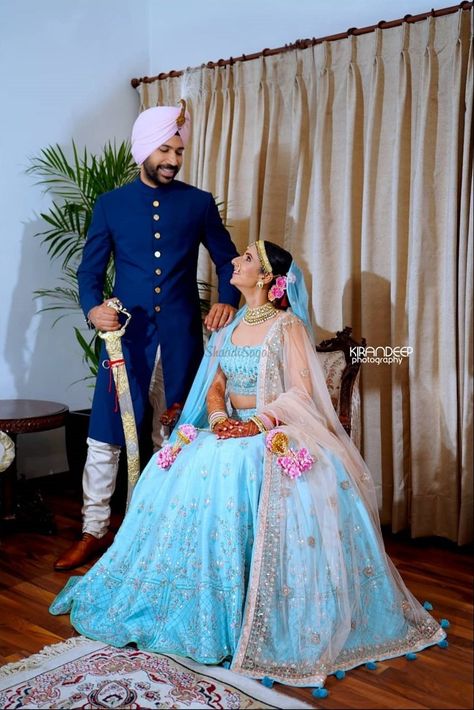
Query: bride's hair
{"x": 280, "y": 261}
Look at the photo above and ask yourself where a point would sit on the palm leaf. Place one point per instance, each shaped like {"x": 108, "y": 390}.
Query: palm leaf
{"x": 56, "y": 174}
{"x": 113, "y": 168}
{"x": 61, "y": 298}
{"x": 67, "y": 234}
{"x": 109, "y": 279}
{"x": 90, "y": 351}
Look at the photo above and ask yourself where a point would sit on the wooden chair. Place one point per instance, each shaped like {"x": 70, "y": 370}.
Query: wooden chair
{"x": 342, "y": 379}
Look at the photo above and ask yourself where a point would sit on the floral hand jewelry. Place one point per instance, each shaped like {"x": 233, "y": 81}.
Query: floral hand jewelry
{"x": 293, "y": 462}
{"x": 167, "y": 455}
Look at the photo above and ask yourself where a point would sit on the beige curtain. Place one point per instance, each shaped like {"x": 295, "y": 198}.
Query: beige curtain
{"x": 357, "y": 156}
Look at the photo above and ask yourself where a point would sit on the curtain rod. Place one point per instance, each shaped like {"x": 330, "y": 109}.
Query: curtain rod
{"x": 305, "y": 43}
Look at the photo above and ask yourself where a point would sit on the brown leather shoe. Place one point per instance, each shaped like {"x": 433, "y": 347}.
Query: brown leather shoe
{"x": 82, "y": 551}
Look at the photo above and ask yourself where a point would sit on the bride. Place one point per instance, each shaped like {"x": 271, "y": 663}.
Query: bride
{"x": 254, "y": 536}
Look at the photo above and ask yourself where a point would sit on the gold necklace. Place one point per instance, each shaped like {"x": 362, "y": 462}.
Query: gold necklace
{"x": 254, "y": 316}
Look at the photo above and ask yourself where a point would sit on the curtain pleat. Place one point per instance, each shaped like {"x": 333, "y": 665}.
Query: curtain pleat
{"x": 357, "y": 156}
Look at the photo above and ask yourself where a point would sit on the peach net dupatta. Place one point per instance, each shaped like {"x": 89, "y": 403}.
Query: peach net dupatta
{"x": 287, "y": 633}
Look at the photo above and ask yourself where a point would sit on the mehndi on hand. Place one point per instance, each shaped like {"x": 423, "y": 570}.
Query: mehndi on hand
{"x": 171, "y": 415}
{"x": 233, "y": 429}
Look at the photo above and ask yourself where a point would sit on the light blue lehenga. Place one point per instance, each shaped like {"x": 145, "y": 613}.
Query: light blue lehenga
{"x": 175, "y": 578}
{"x": 222, "y": 556}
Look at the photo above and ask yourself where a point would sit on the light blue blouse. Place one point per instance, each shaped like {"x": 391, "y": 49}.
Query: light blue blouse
{"x": 239, "y": 363}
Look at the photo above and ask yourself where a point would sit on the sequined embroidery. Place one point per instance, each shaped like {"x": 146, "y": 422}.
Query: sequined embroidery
{"x": 240, "y": 365}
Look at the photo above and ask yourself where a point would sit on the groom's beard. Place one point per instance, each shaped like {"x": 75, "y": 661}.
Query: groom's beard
{"x": 154, "y": 175}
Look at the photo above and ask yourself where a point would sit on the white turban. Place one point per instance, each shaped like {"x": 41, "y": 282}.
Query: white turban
{"x": 157, "y": 125}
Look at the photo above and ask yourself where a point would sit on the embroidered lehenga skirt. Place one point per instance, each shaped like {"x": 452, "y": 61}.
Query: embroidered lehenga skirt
{"x": 178, "y": 575}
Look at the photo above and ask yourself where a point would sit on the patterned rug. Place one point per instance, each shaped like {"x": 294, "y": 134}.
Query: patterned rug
{"x": 80, "y": 673}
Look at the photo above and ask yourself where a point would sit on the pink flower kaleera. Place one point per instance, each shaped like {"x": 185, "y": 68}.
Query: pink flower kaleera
{"x": 188, "y": 431}
{"x": 295, "y": 462}
{"x": 167, "y": 455}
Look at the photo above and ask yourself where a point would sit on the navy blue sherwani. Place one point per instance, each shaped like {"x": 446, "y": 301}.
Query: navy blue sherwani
{"x": 154, "y": 235}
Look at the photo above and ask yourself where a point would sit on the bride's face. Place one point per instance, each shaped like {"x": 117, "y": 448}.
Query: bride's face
{"x": 247, "y": 269}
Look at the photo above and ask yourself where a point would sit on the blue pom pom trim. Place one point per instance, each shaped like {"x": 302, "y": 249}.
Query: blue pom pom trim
{"x": 340, "y": 674}
{"x": 371, "y": 665}
{"x": 320, "y": 693}
{"x": 428, "y": 606}
{"x": 411, "y": 656}
{"x": 267, "y": 682}
{"x": 443, "y": 644}
{"x": 444, "y": 623}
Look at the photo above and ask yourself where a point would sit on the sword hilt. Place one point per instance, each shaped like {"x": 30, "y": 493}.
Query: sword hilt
{"x": 118, "y": 306}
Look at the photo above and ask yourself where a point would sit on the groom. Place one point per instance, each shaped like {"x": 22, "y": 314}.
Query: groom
{"x": 153, "y": 227}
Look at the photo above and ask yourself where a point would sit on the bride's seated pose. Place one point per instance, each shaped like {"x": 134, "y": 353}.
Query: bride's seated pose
{"x": 254, "y": 536}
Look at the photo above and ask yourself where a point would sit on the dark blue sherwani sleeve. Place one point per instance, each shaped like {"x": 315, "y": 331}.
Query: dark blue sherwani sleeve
{"x": 222, "y": 250}
{"x": 95, "y": 257}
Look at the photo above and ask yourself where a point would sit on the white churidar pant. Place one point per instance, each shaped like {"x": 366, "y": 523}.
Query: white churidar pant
{"x": 101, "y": 467}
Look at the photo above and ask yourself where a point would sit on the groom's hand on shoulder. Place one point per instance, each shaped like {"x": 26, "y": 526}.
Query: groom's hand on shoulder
{"x": 220, "y": 315}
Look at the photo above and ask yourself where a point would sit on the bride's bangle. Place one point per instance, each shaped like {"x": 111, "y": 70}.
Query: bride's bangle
{"x": 267, "y": 422}
{"x": 215, "y": 418}
{"x": 259, "y": 424}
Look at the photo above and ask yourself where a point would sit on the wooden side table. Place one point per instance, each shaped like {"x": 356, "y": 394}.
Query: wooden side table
{"x": 22, "y": 416}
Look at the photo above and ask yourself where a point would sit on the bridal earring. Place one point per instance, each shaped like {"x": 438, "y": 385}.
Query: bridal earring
{"x": 260, "y": 283}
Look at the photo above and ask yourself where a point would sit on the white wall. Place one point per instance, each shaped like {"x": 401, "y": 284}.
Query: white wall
{"x": 207, "y": 30}
{"x": 64, "y": 73}
{"x": 65, "y": 70}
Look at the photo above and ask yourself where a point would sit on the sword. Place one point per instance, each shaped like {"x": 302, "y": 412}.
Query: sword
{"x": 113, "y": 345}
